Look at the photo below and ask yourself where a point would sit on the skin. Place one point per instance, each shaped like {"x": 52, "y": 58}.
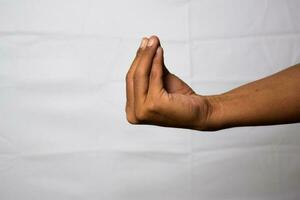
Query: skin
{"x": 156, "y": 96}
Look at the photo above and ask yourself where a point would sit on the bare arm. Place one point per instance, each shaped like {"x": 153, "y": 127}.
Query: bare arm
{"x": 268, "y": 101}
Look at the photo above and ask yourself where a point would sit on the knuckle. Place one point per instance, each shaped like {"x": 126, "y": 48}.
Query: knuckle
{"x": 156, "y": 62}
{"x": 148, "y": 51}
{"x": 149, "y": 108}
{"x": 127, "y": 108}
{"x": 154, "y": 73}
{"x": 145, "y": 52}
{"x": 141, "y": 115}
{"x": 128, "y": 77}
{"x": 153, "y": 105}
{"x": 131, "y": 119}
{"x": 137, "y": 76}
{"x": 138, "y": 52}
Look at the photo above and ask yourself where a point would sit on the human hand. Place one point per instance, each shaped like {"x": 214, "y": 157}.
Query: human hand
{"x": 156, "y": 96}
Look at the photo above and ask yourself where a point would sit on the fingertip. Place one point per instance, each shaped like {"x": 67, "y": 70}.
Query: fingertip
{"x": 159, "y": 51}
{"x": 155, "y": 37}
{"x": 158, "y": 54}
{"x": 153, "y": 41}
{"x": 144, "y": 42}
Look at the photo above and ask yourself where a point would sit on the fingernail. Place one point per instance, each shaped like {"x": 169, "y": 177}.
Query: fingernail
{"x": 150, "y": 43}
{"x": 143, "y": 43}
{"x": 158, "y": 50}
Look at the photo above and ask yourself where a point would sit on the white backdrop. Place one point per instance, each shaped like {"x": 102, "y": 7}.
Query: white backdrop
{"x": 63, "y": 130}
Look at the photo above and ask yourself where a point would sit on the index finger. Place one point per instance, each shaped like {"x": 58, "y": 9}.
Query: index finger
{"x": 143, "y": 69}
{"x": 130, "y": 73}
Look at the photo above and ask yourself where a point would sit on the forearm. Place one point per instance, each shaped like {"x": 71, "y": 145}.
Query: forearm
{"x": 271, "y": 100}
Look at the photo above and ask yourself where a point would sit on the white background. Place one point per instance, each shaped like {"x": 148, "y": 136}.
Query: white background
{"x": 63, "y": 130}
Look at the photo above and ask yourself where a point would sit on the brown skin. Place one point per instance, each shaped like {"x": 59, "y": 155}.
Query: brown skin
{"x": 156, "y": 96}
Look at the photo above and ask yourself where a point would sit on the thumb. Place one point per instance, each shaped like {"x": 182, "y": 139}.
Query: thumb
{"x": 157, "y": 71}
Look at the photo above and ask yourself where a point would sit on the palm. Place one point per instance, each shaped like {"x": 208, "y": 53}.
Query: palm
{"x": 184, "y": 106}
{"x": 173, "y": 84}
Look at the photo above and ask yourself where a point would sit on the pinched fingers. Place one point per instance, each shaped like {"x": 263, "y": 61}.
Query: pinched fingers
{"x": 151, "y": 111}
{"x": 138, "y": 78}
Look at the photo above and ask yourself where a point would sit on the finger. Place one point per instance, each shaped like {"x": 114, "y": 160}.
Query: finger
{"x": 142, "y": 72}
{"x": 130, "y": 73}
{"x": 157, "y": 71}
{"x": 138, "y": 55}
{"x": 129, "y": 82}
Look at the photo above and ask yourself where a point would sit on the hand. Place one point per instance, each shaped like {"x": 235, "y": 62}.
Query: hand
{"x": 155, "y": 96}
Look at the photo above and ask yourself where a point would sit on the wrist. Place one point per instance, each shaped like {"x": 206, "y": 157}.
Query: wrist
{"x": 214, "y": 116}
